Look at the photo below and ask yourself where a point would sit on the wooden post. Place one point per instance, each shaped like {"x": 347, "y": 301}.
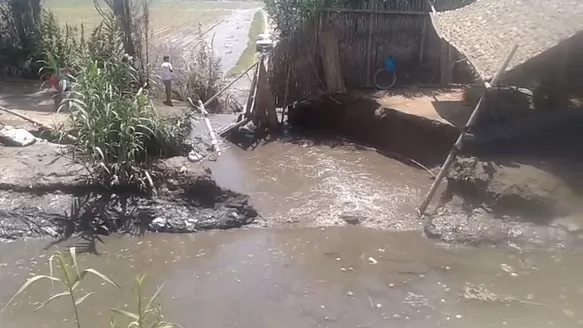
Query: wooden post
{"x": 252, "y": 91}
{"x": 459, "y": 142}
{"x": 445, "y": 67}
{"x": 423, "y": 36}
{"x": 369, "y": 50}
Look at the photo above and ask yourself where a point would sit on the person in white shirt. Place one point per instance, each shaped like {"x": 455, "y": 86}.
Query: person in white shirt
{"x": 166, "y": 73}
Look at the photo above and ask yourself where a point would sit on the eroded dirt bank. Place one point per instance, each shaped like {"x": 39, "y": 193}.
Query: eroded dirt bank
{"x": 42, "y": 194}
{"x": 523, "y": 190}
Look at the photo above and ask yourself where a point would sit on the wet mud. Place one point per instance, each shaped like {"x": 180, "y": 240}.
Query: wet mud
{"x": 524, "y": 190}
{"x": 42, "y": 196}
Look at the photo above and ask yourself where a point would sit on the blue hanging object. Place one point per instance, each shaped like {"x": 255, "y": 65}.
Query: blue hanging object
{"x": 390, "y": 64}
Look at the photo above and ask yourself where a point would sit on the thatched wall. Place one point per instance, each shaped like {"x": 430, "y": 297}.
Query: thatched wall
{"x": 365, "y": 39}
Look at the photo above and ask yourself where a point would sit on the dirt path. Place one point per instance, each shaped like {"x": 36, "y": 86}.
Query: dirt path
{"x": 230, "y": 38}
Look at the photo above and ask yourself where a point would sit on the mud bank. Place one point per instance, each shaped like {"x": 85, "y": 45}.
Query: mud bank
{"x": 42, "y": 196}
{"x": 364, "y": 120}
{"x": 523, "y": 190}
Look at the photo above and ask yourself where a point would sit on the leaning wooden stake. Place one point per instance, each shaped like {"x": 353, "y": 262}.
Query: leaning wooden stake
{"x": 230, "y": 84}
{"x": 459, "y": 143}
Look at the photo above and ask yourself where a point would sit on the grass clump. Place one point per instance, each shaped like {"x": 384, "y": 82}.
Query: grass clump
{"x": 119, "y": 133}
{"x": 249, "y": 56}
{"x": 147, "y": 315}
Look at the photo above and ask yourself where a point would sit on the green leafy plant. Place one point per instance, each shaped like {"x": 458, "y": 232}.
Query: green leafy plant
{"x": 119, "y": 133}
{"x": 70, "y": 281}
{"x": 147, "y": 314}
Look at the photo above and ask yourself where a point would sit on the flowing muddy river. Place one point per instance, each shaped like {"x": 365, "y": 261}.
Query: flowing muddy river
{"x": 311, "y": 277}
{"x": 308, "y": 275}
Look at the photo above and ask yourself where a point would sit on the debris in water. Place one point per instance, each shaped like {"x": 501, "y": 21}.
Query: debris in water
{"x": 507, "y": 268}
{"x": 568, "y": 313}
{"x": 343, "y": 269}
{"x": 350, "y": 293}
{"x": 391, "y": 285}
{"x": 379, "y": 305}
{"x": 337, "y": 259}
{"x": 372, "y": 260}
{"x": 458, "y": 316}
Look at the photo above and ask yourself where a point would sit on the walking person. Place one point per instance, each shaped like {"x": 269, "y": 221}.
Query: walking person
{"x": 167, "y": 75}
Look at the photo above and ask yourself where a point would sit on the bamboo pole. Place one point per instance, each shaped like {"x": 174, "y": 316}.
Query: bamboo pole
{"x": 228, "y": 85}
{"x": 369, "y": 50}
{"x": 212, "y": 134}
{"x": 68, "y": 136}
{"x": 459, "y": 142}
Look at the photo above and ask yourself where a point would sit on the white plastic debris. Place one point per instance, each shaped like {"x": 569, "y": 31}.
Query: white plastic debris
{"x": 371, "y": 260}
{"x": 11, "y": 136}
{"x": 194, "y": 156}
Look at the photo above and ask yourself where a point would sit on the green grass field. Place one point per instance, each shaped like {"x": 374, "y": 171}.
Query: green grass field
{"x": 166, "y": 16}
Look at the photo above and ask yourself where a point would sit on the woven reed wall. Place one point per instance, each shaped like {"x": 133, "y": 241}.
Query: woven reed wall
{"x": 295, "y": 68}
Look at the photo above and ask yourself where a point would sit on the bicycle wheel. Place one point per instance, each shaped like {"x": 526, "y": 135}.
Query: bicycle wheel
{"x": 384, "y": 79}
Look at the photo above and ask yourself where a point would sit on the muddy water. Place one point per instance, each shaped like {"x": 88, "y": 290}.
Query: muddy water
{"x": 310, "y": 277}
{"x": 306, "y": 276}
{"x": 301, "y": 183}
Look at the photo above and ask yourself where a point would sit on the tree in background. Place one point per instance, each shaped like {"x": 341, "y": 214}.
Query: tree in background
{"x": 20, "y": 34}
{"x": 286, "y": 14}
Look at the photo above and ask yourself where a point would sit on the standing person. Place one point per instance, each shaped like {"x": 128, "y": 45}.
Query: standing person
{"x": 167, "y": 75}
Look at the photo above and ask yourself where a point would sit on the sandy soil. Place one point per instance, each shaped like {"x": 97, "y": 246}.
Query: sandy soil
{"x": 444, "y": 106}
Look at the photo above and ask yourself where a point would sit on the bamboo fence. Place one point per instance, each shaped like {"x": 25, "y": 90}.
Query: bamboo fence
{"x": 366, "y": 36}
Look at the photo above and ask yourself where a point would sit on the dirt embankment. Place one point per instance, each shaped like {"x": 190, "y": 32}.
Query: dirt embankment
{"x": 41, "y": 194}
{"x": 526, "y": 189}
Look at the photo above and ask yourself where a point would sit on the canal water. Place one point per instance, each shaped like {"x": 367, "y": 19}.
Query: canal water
{"x": 308, "y": 268}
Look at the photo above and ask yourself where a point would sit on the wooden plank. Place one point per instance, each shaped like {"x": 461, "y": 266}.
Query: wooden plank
{"x": 423, "y": 36}
{"x": 444, "y": 66}
{"x": 369, "y": 51}
{"x": 458, "y": 145}
{"x": 372, "y": 11}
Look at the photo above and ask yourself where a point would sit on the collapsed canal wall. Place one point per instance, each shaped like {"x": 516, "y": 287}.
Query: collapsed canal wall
{"x": 500, "y": 189}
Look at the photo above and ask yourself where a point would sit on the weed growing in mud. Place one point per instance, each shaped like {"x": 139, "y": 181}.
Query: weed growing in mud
{"x": 147, "y": 315}
{"x": 70, "y": 280}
